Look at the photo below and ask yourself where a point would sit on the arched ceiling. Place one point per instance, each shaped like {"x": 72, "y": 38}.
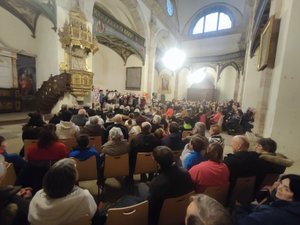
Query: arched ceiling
{"x": 28, "y": 11}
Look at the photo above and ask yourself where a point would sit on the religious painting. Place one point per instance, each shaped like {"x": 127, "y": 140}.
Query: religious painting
{"x": 268, "y": 41}
{"x": 133, "y": 78}
{"x": 164, "y": 86}
{"x": 26, "y": 75}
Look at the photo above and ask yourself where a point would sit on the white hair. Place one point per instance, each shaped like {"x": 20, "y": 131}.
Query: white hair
{"x": 156, "y": 119}
{"x": 115, "y": 133}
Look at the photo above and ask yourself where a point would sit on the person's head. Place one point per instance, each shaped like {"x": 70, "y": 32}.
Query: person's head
{"x": 266, "y": 145}
{"x": 159, "y": 133}
{"x": 204, "y": 210}
{"x": 174, "y": 127}
{"x": 199, "y": 128}
{"x": 81, "y": 112}
{"x": 156, "y": 119}
{"x": 61, "y": 178}
{"x": 163, "y": 156}
{"x": 215, "y": 152}
{"x": 214, "y": 129}
{"x": 239, "y": 143}
{"x": 289, "y": 188}
{"x": 118, "y": 118}
{"x": 146, "y": 128}
{"x": 66, "y": 116}
{"x": 115, "y": 134}
{"x": 83, "y": 140}
{"x": 94, "y": 120}
{"x": 198, "y": 144}
{"x": 47, "y": 136}
{"x": 35, "y": 119}
{"x": 3, "y": 143}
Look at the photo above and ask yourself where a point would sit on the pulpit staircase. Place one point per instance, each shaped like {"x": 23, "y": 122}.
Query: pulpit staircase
{"x": 51, "y": 91}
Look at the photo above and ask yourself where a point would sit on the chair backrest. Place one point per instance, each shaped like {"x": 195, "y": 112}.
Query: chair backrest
{"x": 243, "y": 190}
{"x": 132, "y": 215}
{"x": 70, "y": 143}
{"x": 270, "y": 179}
{"x": 116, "y": 166}
{"x": 96, "y": 142}
{"x": 10, "y": 176}
{"x": 87, "y": 169}
{"x": 173, "y": 210}
{"x": 85, "y": 220}
{"x": 27, "y": 143}
{"x": 219, "y": 193}
{"x": 145, "y": 163}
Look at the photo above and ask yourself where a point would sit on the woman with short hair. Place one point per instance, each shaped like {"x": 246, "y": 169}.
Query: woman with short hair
{"x": 61, "y": 201}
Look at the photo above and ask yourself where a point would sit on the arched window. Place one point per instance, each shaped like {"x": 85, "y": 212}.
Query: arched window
{"x": 212, "y": 22}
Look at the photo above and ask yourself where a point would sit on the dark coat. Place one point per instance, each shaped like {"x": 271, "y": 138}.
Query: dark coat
{"x": 277, "y": 213}
{"x": 173, "y": 141}
{"x": 171, "y": 182}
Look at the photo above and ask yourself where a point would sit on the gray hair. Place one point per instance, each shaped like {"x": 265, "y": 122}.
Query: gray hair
{"x": 210, "y": 212}
{"x": 94, "y": 120}
{"x": 115, "y": 133}
{"x": 156, "y": 119}
{"x": 199, "y": 128}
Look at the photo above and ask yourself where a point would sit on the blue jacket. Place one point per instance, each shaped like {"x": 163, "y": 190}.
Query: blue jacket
{"x": 85, "y": 154}
{"x": 277, "y": 213}
{"x": 193, "y": 159}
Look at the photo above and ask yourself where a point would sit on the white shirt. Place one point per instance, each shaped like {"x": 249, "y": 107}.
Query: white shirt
{"x": 47, "y": 211}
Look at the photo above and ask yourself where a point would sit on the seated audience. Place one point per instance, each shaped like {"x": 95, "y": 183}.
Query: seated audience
{"x": 83, "y": 152}
{"x": 284, "y": 209}
{"x": 269, "y": 161}
{"x": 171, "y": 182}
{"x": 61, "y": 201}
{"x": 130, "y": 122}
{"x": 32, "y": 129}
{"x": 242, "y": 163}
{"x": 173, "y": 140}
{"x": 198, "y": 131}
{"x": 47, "y": 148}
{"x": 94, "y": 128}
{"x": 212, "y": 172}
{"x": 18, "y": 162}
{"x": 65, "y": 128}
{"x": 14, "y": 201}
{"x": 116, "y": 144}
{"x": 155, "y": 123}
{"x": 160, "y": 133}
{"x": 81, "y": 118}
{"x": 118, "y": 119}
{"x": 196, "y": 153}
{"x": 215, "y": 136}
{"x": 187, "y": 123}
{"x": 204, "y": 210}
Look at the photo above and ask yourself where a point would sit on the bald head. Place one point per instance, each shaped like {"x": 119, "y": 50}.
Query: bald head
{"x": 239, "y": 143}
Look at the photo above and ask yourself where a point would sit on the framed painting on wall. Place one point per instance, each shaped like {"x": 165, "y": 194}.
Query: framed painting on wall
{"x": 164, "y": 84}
{"x": 133, "y": 78}
{"x": 268, "y": 42}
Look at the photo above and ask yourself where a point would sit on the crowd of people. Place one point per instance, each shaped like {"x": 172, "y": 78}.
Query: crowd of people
{"x": 51, "y": 195}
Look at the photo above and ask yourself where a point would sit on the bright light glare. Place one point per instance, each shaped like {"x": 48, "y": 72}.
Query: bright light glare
{"x": 197, "y": 76}
{"x": 173, "y": 59}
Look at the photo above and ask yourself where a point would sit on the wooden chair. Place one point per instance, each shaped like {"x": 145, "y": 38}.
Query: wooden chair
{"x": 174, "y": 209}
{"x": 69, "y": 142}
{"x": 10, "y": 176}
{"x": 85, "y": 220}
{"x": 269, "y": 179}
{"x": 27, "y": 143}
{"x": 87, "y": 170}
{"x": 145, "y": 163}
{"x": 243, "y": 190}
{"x": 96, "y": 142}
{"x": 116, "y": 166}
{"x": 132, "y": 215}
{"x": 219, "y": 193}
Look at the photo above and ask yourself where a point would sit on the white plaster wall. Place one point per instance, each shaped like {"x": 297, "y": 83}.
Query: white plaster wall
{"x": 183, "y": 83}
{"x": 109, "y": 69}
{"x": 226, "y": 84}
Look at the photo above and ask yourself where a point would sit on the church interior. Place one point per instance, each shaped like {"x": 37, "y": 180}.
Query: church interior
{"x": 63, "y": 52}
